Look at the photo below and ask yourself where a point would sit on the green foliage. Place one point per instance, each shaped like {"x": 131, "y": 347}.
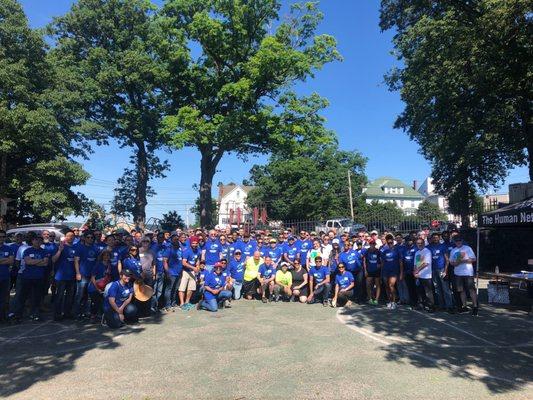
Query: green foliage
{"x": 171, "y": 221}
{"x": 310, "y": 185}
{"x": 467, "y": 81}
{"x": 36, "y": 140}
{"x": 430, "y": 211}
{"x": 109, "y": 52}
{"x": 235, "y": 93}
{"x": 380, "y": 216}
{"x": 196, "y": 210}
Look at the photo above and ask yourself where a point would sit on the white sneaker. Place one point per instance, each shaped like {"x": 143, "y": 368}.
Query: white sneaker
{"x": 393, "y": 306}
{"x": 389, "y": 306}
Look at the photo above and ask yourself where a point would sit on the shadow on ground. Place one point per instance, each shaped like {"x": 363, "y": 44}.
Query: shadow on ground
{"x": 37, "y": 352}
{"x": 496, "y": 348}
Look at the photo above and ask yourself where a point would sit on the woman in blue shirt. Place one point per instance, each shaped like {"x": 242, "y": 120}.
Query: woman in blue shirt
{"x": 133, "y": 261}
{"x": 372, "y": 265}
{"x": 100, "y": 269}
{"x": 117, "y": 303}
{"x": 392, "y": 269}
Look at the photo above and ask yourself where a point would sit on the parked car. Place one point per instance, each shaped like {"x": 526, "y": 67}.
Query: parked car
{"x": 59, "y": 230}
{"x": 341, "y": 225}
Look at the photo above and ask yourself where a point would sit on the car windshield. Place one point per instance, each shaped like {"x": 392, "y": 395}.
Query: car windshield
{"x": 345, "y": 223}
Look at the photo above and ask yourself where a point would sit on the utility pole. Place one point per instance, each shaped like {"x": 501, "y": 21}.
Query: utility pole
{"x": 350, "y": 193}
{"x": 187, "y": 219}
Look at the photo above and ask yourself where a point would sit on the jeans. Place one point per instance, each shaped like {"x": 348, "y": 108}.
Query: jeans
{"x": 27, "y": 287}
{"x": 64, "y": 298}
{"x": 427, "y": 285}
{"x": 158, "y": 291}
{"x": 81, "y": 297}
{"x": 442, "y": 289}
{"x": 410, "y": 282}
{"x": 403, "y": 291}
{"x": 113, "y": 320}
{"x": 323, "y": 291}
{"x": 5, "y": 285}
{"x": 237, "y": 286}
{"x": 212, "y": 305}
{"x": 359, "y": 292}
{"x": 97, "y": 300}
{"x": 171, "y": 290}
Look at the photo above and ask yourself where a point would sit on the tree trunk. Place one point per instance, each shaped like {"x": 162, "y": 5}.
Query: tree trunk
{"x": 208, "y": 167}
{"x": 139, "y": 210}
{"x": 529, "y": 134}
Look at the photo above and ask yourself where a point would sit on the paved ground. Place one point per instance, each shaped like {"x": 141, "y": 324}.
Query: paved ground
{"x": 275, "y": 351}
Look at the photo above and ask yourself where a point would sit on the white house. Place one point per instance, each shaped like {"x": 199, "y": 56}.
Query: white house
{"x": 231, "y": 204}
{"x": 386, "y": 190}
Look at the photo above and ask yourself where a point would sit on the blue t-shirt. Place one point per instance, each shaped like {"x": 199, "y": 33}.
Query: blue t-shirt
{"x": 438, "y": 252}
{"x": 65, "y": 264}
{"x": 224, "y": 251}
{"x": 174, "y": 257}
{"x": 6, "y": 251}
{"x": 275, "y": 253}
{"x": 291, "y": 251}
{"x": 98, "y": 272}
{"x": 236, "y": 269}
{"x": 391, "y": 260}
{"x": 119, "y": 292}
{"x": 87, "y": 255}
{"x": 267, "y": 271}
{"x": 409, "y": 259}
{"x": 100, "y": 246}
{"x": 263, "y": 251}
{"x": 351, "y": 260}
{"x": 191, "y": 255}
{"x": 213, "y": 281}
{"x": 159, "y": 251}
{"x": 247, "y": 248}
{"x": 34, "y": 271}
{"x": 344, "y": 280}
{"x": 212, "y": 251}
{"x": 304, "y": 246}
{"x": 372, "y": 260}
{"x": 318, "y": 274}
{"x": 133, "y": 264}
{"x": 115, "y": 258}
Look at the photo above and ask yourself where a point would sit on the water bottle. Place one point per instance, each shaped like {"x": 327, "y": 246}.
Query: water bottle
{"x": 497, "y": 270}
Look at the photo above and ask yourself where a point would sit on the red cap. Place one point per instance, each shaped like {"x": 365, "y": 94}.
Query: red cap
{"x": 219, "y": 264}
{"x": 194, "y": 239}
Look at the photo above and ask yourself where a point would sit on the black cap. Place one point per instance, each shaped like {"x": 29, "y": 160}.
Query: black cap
{"x": 458, "y": 238}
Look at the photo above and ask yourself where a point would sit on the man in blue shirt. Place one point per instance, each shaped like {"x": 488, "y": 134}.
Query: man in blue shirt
{"x": 66, "y": 277}
{"x": 353, "y": 263}
{"x": 159, "y": 249}
{"x": 247, "y": 246}
{"x": 290, "y": 250}
{"x": 267, "y": 275}
{"x": 304, "y": 244}
{"x": 319, "y": 283}
{"x": 236, "y": 268}
{"x": 215, "y": 290}
{"x": 35, "y": 262}
{"x": 211, "y": 251}
{"x": 7, "y": 257}
{"x": 84, "y": 262}
{"x": 344, "y": 284}
{"x": 190, "y": 262}
{"x": 173, "y": 267}
{"x": 439, "y": 272}
{"x": 275, "y": 252}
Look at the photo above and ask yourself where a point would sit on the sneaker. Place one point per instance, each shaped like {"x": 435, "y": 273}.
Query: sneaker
{"x": 463, "y": 310}
{"x": 393, "y": 306}
{"x": 37, "y": 318}
{"x": 264, "y": 299}
{"x": 348, "y": 304}
{"x": 227, "y": 304}
{"x": 474, "y": 311}
{"x": 389, "y": 306}
{"x": 333, "y": 304}
{"x": 375, "y": 302}
{"x": 276, "y": 299}
{"x": 292, "y": 299}
{"x": 370, "y": 302}
{"x": 324, "y": 303}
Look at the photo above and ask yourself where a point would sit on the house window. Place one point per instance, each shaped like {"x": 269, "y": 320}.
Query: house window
{"x": 238, "y": 194}
{"x": 401, "y": 190}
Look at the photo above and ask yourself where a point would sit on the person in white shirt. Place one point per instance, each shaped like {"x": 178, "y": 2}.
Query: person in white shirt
{"x": 326, "y": 249}
{"x": 422, "y": 271}
{"x": 461, "y": 258}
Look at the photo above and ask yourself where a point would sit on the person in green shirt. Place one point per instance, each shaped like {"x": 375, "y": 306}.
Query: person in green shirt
{"x": 251, "y": 272}
{"x": 283, "y": 282}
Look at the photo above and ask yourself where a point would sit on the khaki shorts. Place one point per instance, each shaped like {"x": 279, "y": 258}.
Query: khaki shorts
{"x": 187, "y": 282}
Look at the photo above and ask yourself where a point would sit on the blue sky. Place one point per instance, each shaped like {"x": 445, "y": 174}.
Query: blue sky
{"x": 361, "y": 112}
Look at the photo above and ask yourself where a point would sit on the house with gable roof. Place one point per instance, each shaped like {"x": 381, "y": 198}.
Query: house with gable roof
{"x": 392, "y": 190}
{"x": 231, "y": 203}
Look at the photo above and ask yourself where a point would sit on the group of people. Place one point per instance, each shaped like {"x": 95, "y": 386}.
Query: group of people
{"x": 91, "y": 275}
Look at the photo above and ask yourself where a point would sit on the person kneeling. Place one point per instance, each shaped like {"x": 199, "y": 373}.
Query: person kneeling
{"x": 214, "y": 292}
{"x": 117, "y": 301}
{"x": 319, "y": 285}
{"x": 344, "y": 284}
{"x": 283, "y": 282}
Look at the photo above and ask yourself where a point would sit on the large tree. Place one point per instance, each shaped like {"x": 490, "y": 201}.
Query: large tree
{"x": 114, "y": 49}
{"x": 466, "y": 78}
{"x": 235, "y": 95}
{"x": 307, "y": 186}
{"x": 37, "y": 143}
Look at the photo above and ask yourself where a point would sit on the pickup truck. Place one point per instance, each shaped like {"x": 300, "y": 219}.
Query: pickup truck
{"x": 340, "y": 225}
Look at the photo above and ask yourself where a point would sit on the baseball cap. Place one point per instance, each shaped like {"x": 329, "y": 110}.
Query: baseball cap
{"x": 374, "y": 232}
{"x": 335, "y": 241}
{"x": 457, "y": 238}
{"x": 273, "y": 240}
{"x": 237, "y": 251}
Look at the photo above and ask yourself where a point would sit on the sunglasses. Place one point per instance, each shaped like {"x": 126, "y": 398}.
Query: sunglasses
{"x": 134, "y": 249}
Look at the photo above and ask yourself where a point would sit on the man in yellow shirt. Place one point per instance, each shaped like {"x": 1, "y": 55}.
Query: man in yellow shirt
{"x": 251, "y": 283}
{"x": 283, "y": 282}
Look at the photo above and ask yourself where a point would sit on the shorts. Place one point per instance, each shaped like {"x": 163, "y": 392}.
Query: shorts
{"x": 374, "y": 274}
{"x": 462, "y": 282}
{"x": 249, "y": 288}
{"x": 303, "y": 291}
{"x": 187, "y": 282}
{"x": 390, "y": 273}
